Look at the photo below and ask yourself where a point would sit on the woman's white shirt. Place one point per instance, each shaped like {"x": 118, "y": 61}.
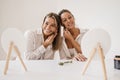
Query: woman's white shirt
{"x": 34, "y": 46}
{"x": 65, "y": 52}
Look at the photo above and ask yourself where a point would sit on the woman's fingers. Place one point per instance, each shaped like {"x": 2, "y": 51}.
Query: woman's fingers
{"x": 55, "y": 34}
{"x": 67, "y": 35}
{"x": 49, "y": 40}
{"x": 80, "y": 57}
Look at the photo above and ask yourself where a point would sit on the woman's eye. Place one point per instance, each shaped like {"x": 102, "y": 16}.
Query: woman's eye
{"x": 64, "y": 20}
{"x": 69, "y": 17}
{"x": 46, "y": 23}
{"x": 53, "y": 25}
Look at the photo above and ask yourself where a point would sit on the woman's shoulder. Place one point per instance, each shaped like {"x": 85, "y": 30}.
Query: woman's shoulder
{"x": 28, "y": 33}
{"x": 82, "y": 33}
{"x": 32, "y": 33}
{"x": 83, "y": 30}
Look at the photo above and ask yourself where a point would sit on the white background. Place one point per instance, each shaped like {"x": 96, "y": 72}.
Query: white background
{"x": 29, "y": 14}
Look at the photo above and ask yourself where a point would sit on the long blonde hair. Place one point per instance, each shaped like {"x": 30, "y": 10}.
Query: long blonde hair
{"x": 57, "y": 39}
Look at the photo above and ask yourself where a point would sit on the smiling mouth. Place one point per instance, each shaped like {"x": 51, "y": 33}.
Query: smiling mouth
{"x": 48, "y": 31}
{"x": 70, "y": 24}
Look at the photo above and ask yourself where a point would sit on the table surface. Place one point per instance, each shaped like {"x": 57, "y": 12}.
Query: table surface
{"x": 51, "y": 70}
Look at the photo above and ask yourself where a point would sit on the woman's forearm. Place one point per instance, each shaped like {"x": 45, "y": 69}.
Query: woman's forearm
{"x": 76, "y": 45}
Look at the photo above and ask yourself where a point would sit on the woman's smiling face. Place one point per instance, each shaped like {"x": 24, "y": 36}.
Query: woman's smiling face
{"x": 67, "y": 20}
{"x": 49, "y": 26}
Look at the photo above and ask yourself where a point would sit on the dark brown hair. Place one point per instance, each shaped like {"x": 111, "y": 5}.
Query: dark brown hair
{"x": 63, "y": 11}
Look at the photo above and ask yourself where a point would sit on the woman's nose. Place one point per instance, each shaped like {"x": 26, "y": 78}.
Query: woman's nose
{"x": 68, "y": 20}
{"x": 48, "y": 27}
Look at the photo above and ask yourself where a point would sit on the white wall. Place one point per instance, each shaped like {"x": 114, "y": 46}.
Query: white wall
{"x": 97, "y": 13}
{"x": 28, "y": 14}
{"x": 23, "y": 14}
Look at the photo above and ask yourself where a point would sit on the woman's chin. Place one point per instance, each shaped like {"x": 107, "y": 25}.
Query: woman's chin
{"x": 70, "y": 28}
{"x": 47, "y": 34}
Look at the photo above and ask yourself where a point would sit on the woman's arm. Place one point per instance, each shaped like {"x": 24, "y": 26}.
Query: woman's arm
{"x": 72, "y": 41}
{"x": 31, "y": 53}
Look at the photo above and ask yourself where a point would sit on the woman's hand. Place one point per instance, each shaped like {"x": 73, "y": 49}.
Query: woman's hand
{"x": 49, "y": 40}
{"x": 67, "y": 35}
{"x": 80, "y": 57}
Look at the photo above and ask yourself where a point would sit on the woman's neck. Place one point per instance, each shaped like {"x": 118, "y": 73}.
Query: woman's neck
{"x": 45, "y": 37}
{"x": 74, "y": 32}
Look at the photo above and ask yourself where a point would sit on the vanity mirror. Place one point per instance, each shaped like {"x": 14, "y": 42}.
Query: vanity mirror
{"x": 95, "y": 44}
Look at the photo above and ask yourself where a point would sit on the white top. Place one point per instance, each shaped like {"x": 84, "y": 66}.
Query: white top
{"x": 34, "y": 46}
{"x": 66, "y": 53}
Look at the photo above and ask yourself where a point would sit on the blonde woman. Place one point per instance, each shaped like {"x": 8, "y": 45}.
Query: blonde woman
{"x": 42, "y": 46}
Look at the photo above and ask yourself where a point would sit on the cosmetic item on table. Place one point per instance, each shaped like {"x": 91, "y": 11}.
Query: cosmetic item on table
{"x": 117, "y": 62}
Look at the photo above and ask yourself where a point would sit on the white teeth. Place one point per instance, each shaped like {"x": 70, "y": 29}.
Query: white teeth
{"x": 48, "y": 31}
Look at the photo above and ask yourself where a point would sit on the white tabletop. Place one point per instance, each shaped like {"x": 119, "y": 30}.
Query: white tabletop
{"x": 50, "y": 70}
